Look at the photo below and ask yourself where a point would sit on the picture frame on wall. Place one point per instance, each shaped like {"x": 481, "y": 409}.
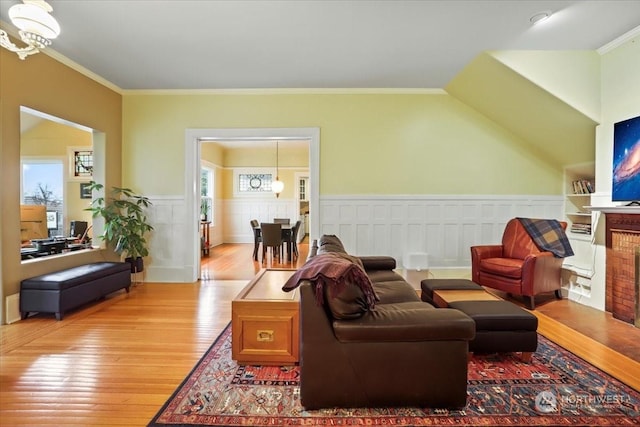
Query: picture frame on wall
{"x": 85, "y": 190}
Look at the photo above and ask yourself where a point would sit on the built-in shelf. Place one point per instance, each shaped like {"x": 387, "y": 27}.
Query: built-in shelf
{"x": 578, "y": 187}
{"x": 583, "y": 237}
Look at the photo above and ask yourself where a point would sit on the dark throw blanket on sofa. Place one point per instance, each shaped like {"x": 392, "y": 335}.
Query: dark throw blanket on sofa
{"x": 548, "y": 235}
{"x": 335, "y": 271}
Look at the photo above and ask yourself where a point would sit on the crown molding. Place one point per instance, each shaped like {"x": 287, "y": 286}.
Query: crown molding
{"x": 619, "y": 41}
{"x": 80, "y": 69}
{"x": 52, "y": 53}
{"x": 291, "y": 91}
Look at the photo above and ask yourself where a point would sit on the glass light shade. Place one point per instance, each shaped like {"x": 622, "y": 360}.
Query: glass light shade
{"x": 277, "y": 186}
{"x": 33, "y": 18}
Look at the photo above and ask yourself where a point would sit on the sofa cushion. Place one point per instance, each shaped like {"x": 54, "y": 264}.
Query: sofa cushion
{"x": 395, "y": 291}
{"x": 348, "y": 303}
{"x": 384, "y": 276}
{"x": 416, "y": 321}
{"x": 509, "y": 267}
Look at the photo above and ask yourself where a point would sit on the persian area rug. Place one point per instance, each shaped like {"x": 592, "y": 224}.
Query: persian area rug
{"x": 556, "y": 388}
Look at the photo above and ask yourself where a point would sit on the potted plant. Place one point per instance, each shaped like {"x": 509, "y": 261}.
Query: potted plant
{"x": 204, "y": 209}
{"x": 125, "y": 222}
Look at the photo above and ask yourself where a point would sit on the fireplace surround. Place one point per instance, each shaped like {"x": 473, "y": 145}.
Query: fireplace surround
{"x": 623, "y": 266}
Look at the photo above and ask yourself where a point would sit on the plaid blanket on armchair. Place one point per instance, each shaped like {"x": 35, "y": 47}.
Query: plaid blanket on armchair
{"x": 548, "y": 235}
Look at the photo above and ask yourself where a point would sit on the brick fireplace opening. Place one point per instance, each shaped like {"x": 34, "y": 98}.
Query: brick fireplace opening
{"x": 623, "y": 267}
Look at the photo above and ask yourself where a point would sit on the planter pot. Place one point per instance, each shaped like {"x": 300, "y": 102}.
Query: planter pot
{"x": 137, "y": 265}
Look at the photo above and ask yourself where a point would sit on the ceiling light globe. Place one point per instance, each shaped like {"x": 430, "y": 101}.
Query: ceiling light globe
{"x": 34, "y": 18}
{"x": 277, "y": 186}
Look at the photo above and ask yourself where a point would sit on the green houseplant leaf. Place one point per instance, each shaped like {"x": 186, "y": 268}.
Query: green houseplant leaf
{"x": 125, "y": 222}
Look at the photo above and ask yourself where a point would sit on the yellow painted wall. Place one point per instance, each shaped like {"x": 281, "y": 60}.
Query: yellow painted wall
{"x": 266, "y": 157}
{"x": 212, "y": 153}
{"x": 573, "y": 76}
{"x": 52, "y": 139}
{"x": 620, "y": 101}
{"x": 370, "y": 143}
{"x": 43, "y": 84}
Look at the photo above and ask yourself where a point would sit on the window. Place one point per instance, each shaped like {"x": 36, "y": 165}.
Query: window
{"x": 254, "y": 182}
{"x": 43, "y": 184}
{"x": 82, "y": 164}
{"x": 206, "y": 193}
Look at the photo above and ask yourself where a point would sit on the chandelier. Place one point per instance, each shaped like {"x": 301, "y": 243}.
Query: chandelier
{"x": 36, "y": 27}
{"x": 277, "y": 186}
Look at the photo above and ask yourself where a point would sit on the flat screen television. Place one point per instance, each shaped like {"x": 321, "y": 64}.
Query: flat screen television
{"x": 626, "y": 161}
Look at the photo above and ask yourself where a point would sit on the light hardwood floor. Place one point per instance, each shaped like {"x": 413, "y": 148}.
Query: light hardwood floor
{"x": 116, "y": 362}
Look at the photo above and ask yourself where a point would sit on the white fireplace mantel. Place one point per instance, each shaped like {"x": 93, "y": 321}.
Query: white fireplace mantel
{"x": 615, "y": 209}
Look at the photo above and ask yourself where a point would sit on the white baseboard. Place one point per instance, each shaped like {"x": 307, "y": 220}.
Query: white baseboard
{"x": 12, "y": 308}
{"x": 160, "y": 274}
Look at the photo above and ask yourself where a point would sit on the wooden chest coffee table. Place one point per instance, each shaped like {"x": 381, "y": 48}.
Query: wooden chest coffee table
{"x": 265, "y": 321}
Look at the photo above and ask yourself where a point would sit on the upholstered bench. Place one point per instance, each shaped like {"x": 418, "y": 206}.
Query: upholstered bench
{"x": 501, "y": 326}
{"x": 429, "y": 285}
{"x": 63, "y": 290}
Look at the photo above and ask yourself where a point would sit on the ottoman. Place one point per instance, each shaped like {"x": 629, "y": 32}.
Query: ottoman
{"x": 501, "y": 326}
{"x": 430, "y": 285}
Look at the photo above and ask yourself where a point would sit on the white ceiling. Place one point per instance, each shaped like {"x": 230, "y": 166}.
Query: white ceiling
{"x": 200, "y": 44}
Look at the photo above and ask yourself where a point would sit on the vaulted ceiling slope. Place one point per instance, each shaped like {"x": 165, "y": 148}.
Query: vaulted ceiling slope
{"x": 552, "y": 120}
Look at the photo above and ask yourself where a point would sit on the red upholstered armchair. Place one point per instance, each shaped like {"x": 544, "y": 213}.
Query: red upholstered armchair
{"x": 517, "y": 266}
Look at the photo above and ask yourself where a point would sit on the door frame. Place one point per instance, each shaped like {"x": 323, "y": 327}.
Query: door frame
{"x": 193, "y": 142}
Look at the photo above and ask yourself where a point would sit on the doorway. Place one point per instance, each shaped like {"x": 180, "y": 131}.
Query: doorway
{"x": 194, "y": 138}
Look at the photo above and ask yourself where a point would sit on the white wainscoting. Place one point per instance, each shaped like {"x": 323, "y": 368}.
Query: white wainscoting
{"x": 238, "y": 213}
{"x": 168, "y": 242}
{"x": 443, "y": 226}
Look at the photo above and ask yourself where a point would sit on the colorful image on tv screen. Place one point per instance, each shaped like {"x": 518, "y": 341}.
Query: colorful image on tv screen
{"x": 626, "y": 161}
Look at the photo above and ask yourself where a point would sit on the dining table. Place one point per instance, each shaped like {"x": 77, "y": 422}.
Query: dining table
{"x": 287, "y": 237}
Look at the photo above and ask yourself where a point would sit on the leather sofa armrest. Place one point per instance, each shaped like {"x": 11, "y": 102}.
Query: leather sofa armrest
{"x": 427, "y": 324}
{"x": 378, "y": 262}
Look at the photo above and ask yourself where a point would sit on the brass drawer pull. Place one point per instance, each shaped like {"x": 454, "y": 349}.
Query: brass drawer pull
{"x": 265, "y": 335}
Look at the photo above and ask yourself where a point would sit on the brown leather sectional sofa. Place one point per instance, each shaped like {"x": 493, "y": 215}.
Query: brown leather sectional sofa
{"x": 401, "y": 352}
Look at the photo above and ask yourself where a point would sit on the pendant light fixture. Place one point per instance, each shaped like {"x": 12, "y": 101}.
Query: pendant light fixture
{"x": 277, "y": 186}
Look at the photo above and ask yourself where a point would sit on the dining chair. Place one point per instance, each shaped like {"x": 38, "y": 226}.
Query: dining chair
{"x": 294, "y": 237}
{"x": 257, "y": 237}
{"x": 281, "y": 221}
{"x": 271, "y": 238}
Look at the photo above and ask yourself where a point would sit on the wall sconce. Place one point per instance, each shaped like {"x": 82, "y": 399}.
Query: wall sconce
{"x": 277, "y": 186}
{"x": 36, "y": 27}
